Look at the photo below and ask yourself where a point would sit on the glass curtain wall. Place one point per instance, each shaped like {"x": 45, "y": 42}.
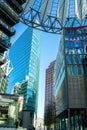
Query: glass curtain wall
{"x": 70, "y": 80}
{"x": 75, "y": 40}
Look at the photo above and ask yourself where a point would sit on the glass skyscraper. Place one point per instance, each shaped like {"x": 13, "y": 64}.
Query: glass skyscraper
{"x": 25, "y": 58}
{"x": 71, "y": 79}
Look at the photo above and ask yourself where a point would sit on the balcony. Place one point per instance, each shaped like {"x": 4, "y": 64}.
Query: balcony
{"x": 8, "y": 14}
{"x": 15, "y": 5}
{"x": 6, "y": 29}
{"x": 4, "y": 43}
{"x": 21, "y": 1}
{"x": 2, "y": 59}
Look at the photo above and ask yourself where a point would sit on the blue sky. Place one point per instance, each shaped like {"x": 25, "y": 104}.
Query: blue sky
{"x": 49, "y": 47}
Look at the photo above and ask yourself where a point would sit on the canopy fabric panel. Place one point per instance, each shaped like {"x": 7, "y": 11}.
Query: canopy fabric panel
{"x": 80, "y": 9}
{"x": 45, "y": 9}
{"x": 28, "y": 4}
{"x": 63, "y": 11}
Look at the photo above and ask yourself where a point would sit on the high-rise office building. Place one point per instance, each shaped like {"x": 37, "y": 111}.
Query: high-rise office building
{"x": 71, "y": 79}
{"x": 25, "y": 58}
{"x": 9, "y": 16}
{"x": 49, "y": 98}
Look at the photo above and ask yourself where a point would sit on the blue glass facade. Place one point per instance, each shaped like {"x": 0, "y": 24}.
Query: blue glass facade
{"x": 76, "y": 50}
{"x": 59, "y": 79}
{"x": 59, "y": 68}
{"x": 25, "y": 58}
{"x": 71, "y": 79}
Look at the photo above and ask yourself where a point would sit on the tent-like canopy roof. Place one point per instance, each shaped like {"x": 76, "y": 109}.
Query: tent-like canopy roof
{"x": 53, "y": 15}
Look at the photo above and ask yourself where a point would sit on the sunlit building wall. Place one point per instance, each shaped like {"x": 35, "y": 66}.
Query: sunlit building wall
{"x": 5, "y": 69}
{"x": 39, "y": 125}
{"x": 16, "y": 88}
{"x": 10, "y": 110}
{"x": 3, "y": 81}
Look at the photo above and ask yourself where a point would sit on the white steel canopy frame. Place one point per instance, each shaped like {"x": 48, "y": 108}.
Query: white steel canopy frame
{"x": 53, "y": 15}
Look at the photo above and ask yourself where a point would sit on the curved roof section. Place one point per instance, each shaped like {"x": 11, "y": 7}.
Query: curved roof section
{"x": 53, "y": 15}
